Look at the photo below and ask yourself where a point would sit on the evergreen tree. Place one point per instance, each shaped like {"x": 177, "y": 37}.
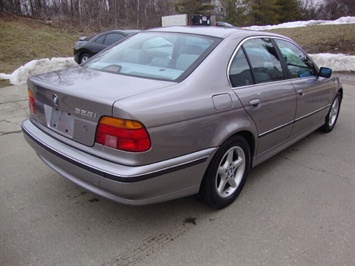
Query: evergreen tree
{"x": 264, "y": 12}
{"x": 191, "y": 7}
{"x": 289, "y": 10}
{"x": 236, "y": 12}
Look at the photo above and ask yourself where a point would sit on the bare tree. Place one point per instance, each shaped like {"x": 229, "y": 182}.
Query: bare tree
{"x": 334, "y": 9}
{"x": 103, "y": 14}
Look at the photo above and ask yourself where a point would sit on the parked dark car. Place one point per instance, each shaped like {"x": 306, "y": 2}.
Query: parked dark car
{"x": 177, "y": 111}
{"x": 224, "y": 24}
{"x": 88, "y": 46}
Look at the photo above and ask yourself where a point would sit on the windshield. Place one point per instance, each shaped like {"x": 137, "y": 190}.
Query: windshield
{"x": 157, "y": 55}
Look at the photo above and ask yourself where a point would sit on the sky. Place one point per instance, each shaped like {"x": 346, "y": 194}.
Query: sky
{"x": 337, "y": 62}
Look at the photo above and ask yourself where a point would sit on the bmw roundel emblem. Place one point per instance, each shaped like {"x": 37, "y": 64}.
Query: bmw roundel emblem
{"x": 55, "y": 99}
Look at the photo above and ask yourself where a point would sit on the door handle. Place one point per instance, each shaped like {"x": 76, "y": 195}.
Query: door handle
{"x": 255, "y": 103}
{"x": 300, "y": 92}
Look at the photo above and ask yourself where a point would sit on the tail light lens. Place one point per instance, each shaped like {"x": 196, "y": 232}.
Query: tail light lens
{"x": 31, "y": 102}
{"x": 122, "y": 134}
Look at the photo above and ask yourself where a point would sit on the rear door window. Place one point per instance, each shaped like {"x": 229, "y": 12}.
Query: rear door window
{"x": 264, "y": 60}
{"x": 256, "y": 61}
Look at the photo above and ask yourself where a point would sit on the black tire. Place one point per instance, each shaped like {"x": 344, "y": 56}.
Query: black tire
{"x": 84, "y": 57}
{"x": 227, "y": 173}
{"x": 332, "y": 116}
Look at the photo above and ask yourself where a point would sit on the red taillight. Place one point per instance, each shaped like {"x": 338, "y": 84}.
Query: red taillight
{"x": 31, "y": 102}
{"x": 122, "y": 134}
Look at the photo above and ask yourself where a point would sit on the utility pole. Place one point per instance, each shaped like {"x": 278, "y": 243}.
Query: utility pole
{"x": 116, "y": 14}
{"x": 79, "y": 11}
{"x": 137, "y": 14}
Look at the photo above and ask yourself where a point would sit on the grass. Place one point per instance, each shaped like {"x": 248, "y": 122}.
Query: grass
{"x": 323, "y": 38}
{"x": 24, "y": 39}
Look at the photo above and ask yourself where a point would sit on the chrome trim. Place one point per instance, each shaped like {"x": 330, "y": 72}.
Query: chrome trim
{"x": 289, "y": 123}
{"x": 55, "y": 99}
{"x": 241, "y": 43}
{"x": 296, "y": 120}
{"x": 275, "y": 129}
{"x": 316, "y": 111}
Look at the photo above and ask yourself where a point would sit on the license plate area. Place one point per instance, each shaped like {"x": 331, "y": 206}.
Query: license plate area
{"x": 59, "y": 121}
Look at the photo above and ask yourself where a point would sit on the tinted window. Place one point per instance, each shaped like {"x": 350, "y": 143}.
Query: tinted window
{"x": 100, "y": 39}
{"x": 111, "y": 38}
{"x": 265, "y": 63}
{"x": 239, "y": 72}
{"x": 298, "y": 64}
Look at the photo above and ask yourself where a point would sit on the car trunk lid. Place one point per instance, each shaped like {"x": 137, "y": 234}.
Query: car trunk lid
{"x": 71, "y": 102}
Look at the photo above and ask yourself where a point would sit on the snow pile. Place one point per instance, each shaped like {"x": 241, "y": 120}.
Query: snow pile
{"x": 36, "y": 67}
{"x": 342, "y": 20}
{"x": 337, "y": 62}
{"x": 297, "y": 24}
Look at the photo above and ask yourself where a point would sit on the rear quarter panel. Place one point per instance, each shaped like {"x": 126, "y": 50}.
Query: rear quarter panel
{"x": 182, "y": 119}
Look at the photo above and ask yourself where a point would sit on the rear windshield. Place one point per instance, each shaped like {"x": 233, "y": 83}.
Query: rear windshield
{"x": 156, "y": 55}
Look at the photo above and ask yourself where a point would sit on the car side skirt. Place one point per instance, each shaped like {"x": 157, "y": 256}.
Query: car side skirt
{"x": 280, "y": 147}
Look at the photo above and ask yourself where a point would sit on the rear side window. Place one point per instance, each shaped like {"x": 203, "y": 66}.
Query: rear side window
{"x": 240, "y": 73}
{"x": 101, "y": 39}
{"x": 298, "y": 64}
{"x": 111, "y": 38}
{"x": 255, "y": 62}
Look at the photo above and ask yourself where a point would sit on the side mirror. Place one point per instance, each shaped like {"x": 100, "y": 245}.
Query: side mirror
{"x": 325, "y": 72}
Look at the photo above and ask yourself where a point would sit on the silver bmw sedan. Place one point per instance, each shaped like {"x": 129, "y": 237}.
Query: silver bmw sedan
{"x": 177, "y": 111}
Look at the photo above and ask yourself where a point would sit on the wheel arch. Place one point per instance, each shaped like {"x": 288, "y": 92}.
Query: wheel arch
{"x": 84, "y": 51}
{"x": 248, "y": 136}
{"x": 244, "y": 126}
{"x": 204, "y": 193}
{"x": 250, "y": 139}
{"x": 340, "y": 90}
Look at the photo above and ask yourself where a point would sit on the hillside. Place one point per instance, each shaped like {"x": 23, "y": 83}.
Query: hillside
{"x": 323, "y": 38}
{"x": 24, "y": 39}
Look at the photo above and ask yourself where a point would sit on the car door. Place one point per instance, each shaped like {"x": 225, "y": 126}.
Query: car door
{"x": 312, "y": 91}
{"x": 259, "y": 81}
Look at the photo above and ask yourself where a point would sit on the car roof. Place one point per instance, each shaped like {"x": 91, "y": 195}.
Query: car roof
{"x": 214, "y": 31}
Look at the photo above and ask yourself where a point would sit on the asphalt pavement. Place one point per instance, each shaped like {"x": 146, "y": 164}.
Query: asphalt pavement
{"x": 298, "y": 208}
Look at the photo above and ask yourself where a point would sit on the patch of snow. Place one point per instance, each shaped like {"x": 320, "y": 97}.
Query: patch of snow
{"x": 36, "y": 67}
{"x": 342, "y": 20}
{"x": 297, "y": 24}
{"x": 337, "y": 62}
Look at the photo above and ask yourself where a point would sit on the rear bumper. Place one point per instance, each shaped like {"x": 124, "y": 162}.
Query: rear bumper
{"x": 134, "y": 185}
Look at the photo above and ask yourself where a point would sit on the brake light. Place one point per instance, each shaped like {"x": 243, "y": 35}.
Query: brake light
{"x": 31, "y": 102}
{"x": 122, "y": 134}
